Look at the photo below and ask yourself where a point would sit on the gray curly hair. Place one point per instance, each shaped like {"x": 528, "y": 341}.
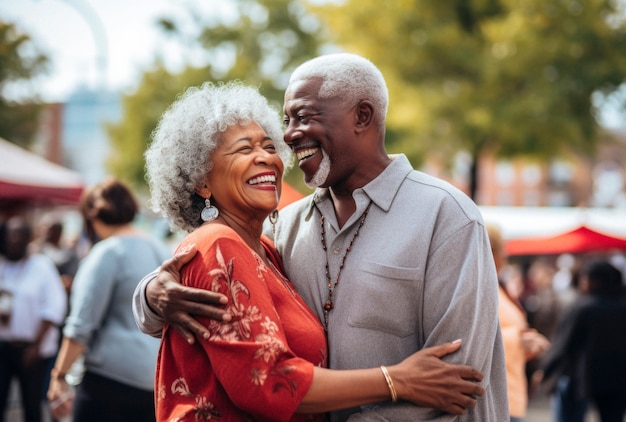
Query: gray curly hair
{"x": 179, "y": 157}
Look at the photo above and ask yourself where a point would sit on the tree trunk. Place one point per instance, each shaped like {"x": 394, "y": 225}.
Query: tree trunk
{"x": 474, "y": 174}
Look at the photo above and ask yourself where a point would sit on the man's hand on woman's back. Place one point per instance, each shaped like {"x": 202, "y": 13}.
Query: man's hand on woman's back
{"x": 178, "y": 305}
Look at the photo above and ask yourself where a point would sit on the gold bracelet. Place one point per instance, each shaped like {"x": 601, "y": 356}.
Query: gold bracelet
{"x": 392, "y": 389}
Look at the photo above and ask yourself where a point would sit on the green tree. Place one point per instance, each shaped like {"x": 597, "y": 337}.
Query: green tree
{"x": 505, "y": 77}
{"x": 260, "y": 45}
{"x": 19, "y": 62}
{"x": 142, "y": 109}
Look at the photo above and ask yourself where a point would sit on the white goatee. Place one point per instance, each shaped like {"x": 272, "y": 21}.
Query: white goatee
{"x": 320, "y": 176}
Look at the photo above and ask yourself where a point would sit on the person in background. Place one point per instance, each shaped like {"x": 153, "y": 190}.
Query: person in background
{"x": 542, "y": 304}
{"x": 50, "y": 244}
{"x": 119, "y": 360}
{"x": 65, "y": 258}
{"x": 521, "y": 343}
{"x": 390, "y": 259}
{"x": 215, "y": 169}
{"x": 32, "y": 306}
{"x": 543, "y": 309}
{"x": 562, "y": 381}
{"x": 591, "y": 345}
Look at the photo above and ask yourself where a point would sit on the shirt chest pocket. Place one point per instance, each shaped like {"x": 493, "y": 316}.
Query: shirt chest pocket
{"x": 388, "y": 297}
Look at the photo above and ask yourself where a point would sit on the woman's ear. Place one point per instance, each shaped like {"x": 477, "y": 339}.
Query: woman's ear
{"x": 204, "y": 191}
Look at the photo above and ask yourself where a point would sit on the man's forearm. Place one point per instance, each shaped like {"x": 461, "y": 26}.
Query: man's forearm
{"x": 146, "y": 319}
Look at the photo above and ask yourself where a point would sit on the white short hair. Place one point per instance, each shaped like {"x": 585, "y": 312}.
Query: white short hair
{"x": 348, "y": 76}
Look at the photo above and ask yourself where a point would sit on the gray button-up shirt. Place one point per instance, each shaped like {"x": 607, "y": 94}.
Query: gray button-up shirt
{"x": 419, "y": 273}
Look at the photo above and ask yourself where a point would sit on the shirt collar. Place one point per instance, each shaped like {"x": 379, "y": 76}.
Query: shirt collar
{"x": 381, "y": 191}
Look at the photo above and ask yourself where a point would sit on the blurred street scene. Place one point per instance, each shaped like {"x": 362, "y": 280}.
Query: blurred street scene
{"x": 520, "y": 105}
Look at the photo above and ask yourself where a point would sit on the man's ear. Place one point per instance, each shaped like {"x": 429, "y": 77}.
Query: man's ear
{"x": 364, "y": 115}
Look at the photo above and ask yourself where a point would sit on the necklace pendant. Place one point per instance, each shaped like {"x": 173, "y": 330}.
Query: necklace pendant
{"x": 328, "y": 305}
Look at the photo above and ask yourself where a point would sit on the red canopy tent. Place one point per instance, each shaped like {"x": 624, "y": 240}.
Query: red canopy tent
{"x": 579, "y": 240}
{"x": 26, "y": 178}
{"x": 288, "y": 195}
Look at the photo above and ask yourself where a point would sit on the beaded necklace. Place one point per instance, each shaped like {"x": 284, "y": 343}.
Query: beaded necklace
{"x": 328, "y": 305}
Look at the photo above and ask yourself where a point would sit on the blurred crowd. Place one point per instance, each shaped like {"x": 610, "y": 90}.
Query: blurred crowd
{"x": 63, "y": 294}
{"x": 569, "y": 341}
{"x": 36, "y": 274}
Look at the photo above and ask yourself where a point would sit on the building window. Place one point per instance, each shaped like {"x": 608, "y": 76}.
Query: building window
{"x": 505, "y": 173}
{"x": 531, "y": 175}
{"x": 560, "y": 173}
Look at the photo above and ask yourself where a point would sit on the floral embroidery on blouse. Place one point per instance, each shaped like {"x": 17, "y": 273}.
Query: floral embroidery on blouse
{"x": 204, "y": 409}
{"x": 270, "y": 347}
{"x": 259, "y": 364}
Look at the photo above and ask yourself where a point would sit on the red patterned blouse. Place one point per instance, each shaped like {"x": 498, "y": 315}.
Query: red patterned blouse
{"x": 258, "y": 366}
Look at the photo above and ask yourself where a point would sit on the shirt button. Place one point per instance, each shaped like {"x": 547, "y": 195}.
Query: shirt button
{"x": 336, "y": 251}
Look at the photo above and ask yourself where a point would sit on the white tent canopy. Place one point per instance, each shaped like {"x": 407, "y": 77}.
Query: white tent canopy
{"x": 519, "y": 222}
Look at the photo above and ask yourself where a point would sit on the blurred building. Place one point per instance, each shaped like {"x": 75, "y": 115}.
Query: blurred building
{"x": 569, "y": 181}
{"x": 86, "y": 144}
{"x": 73, "y": 133}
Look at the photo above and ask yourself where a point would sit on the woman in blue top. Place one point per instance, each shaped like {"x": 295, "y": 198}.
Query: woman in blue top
{"x": 119, "y": 360}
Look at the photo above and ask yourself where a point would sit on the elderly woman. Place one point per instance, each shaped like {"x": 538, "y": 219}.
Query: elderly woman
{"x": 215, "y": 167}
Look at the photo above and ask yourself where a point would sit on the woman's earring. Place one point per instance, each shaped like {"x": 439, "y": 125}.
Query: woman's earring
{"x": 273, "y": 219}
{"x": 209, "y": 213}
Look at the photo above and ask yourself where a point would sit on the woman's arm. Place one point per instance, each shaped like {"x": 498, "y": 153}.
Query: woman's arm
{"x": 421, "y": 379}
{"x": 68, "y": 353}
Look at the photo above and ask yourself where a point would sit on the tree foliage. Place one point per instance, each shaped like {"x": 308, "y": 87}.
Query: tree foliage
{"x": 261, "y": 45}
{"x": 504, "y": 76}
{"x": 19, "y": 61}
{"x": 129, "y": 138}
{"x": 497, "y": 76}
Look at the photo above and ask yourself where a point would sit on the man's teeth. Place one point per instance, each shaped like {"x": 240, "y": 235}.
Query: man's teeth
{"x": 262, "y": 179}
{"x": 304, "y": 153}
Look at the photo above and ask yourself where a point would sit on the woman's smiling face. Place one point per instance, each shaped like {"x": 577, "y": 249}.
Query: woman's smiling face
{"x": 246, "y": 174}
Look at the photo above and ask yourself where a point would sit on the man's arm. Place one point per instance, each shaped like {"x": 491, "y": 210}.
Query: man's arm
{"x": 462, "y": 291}
{"x": 146, "y": 319}
{"x": 160, "y": 297}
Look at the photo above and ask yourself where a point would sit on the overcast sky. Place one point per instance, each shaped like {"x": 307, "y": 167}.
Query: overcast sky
{"x": 89, "y": 41}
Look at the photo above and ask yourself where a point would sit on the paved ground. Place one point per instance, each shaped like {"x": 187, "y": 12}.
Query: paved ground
{"x": 538, "y": 411}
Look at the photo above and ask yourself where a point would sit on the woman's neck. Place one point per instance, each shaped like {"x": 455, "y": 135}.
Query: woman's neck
{"x": 250, "y": 231}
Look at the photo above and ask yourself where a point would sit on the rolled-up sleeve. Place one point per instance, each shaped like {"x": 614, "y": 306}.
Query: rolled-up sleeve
{"x": 145, "y": 318}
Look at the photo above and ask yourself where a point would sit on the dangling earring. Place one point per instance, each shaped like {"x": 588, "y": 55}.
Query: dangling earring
{"x": 273, "y": 219}
{"x": 209, "y": 213}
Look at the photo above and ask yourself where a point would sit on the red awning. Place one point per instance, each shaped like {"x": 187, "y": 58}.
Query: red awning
{"x": 28, "y": 178}
{"x": 579, "y": 240}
